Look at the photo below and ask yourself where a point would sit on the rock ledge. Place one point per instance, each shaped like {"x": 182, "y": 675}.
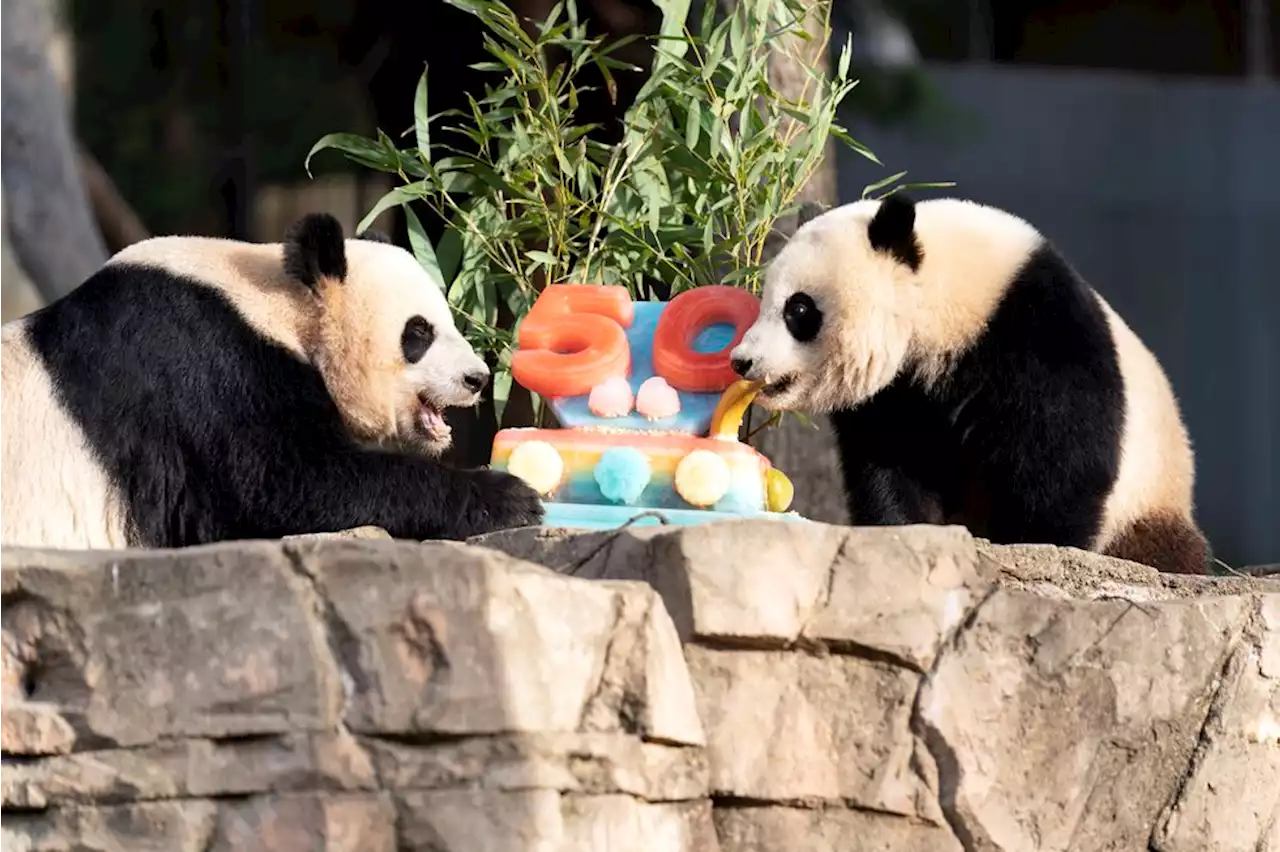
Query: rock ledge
{"x": 738, "y": 686}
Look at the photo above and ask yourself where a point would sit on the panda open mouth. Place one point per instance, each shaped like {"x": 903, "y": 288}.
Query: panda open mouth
{"x": 779, "y": 387}
{"x": 431, "y": 419}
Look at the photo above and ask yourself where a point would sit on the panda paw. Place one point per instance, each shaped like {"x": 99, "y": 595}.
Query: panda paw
{"x": 504, "y": 501}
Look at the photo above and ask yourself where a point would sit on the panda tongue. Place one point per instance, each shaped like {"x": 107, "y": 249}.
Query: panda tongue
{"x": 433, "y": 420}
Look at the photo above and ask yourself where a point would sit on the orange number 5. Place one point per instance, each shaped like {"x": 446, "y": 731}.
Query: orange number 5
{"x": 572, "y": 339}
{"x": 686, "y": 316}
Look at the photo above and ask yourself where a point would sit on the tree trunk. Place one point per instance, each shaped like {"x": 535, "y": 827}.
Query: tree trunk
{"x": 808, "y": 456}
{"x": 119, "y": 224}
{"x": 49, "y": 220}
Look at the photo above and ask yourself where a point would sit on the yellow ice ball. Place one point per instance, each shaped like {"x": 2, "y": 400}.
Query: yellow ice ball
{"x": 537, "y": 463}
{"x": 702, "y": 478}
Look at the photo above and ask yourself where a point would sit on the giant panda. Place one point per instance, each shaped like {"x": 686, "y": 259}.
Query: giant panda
{"x": 973, "y": 377}
{"x": 199, "y": 389}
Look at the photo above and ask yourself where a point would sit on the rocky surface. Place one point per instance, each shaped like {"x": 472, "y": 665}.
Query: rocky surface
{"x": 739, "y": 686}
{"x": 911, "y": 688}
{"x": 342, "y": 694}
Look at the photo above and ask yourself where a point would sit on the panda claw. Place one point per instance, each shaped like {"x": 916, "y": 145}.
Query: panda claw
{"x": 506, "y": 502}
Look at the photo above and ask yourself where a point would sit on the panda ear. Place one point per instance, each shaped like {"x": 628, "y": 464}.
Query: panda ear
{"x": 373, "y": 235}
{"x": 893, "y": 231}
{"x": 314, "y": 248}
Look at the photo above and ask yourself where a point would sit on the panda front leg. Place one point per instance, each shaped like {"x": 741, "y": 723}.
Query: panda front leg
{"x": 886, "y": 496}
{"x": 409, "y": 496}
{"x": 879, "y": 489}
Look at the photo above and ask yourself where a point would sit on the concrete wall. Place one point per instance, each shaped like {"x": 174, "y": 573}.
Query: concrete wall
{"x": 1164, "y": 194}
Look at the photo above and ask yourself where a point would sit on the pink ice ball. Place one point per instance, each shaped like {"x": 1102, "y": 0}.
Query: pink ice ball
{"x": 657, "y": 400}
{"x": 611, "y": 398}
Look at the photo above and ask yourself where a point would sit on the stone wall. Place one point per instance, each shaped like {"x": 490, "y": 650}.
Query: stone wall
{"x": 735, "y": 687}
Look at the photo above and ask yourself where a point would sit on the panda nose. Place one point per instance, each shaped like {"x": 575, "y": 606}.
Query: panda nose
{"x": 476, "y": 381}
{"x": 741, "y": 366}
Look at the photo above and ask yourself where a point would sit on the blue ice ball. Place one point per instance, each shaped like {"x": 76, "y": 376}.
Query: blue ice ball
{"x": 622, "y": 473}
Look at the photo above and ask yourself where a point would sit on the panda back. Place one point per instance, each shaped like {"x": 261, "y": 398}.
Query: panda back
{"x": 167, "y": 378}
{"x": 1156, "y": 473}
{"x": 251, "y": 276}
{"x": 56, "y": 493}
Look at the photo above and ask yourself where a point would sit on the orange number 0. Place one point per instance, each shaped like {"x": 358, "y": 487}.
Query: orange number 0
{"x": 572, "y": 339}
{"x": 674, "y": 357}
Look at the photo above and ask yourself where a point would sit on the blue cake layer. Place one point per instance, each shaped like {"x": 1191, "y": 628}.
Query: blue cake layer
{"x": 696, "y": 409}
{"x": 587, "y": 517}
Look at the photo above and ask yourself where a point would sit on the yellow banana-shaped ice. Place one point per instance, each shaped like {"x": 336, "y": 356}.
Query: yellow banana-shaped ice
{"x": 732, "y": 407}
{"x": 778, "y": 490}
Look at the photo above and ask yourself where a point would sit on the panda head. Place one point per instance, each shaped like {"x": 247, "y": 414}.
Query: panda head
{"x": 834, "y": 324}
{"x": 871, "y": 289}
{"x": 382, "y": 337}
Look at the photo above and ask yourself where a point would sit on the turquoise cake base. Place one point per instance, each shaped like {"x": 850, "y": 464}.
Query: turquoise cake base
{"x": 586, "y": 516}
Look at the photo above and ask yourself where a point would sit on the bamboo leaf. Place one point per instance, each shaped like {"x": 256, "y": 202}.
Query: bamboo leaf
{"x": 542, "y": 258}
{"x": 846, "y": 54}
{"x": 880, "y": 184}
{"x": 449, "y": 254}
{"x": 399, "y": 196}
{"x": 422, "y": 250}
{"x": 421, "y": 119}
{"x": 365, "y": 151}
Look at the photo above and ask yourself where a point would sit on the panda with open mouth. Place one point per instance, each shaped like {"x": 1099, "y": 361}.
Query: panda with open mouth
{"x": 974, "y": 378}
{"x": 198, "y": 389}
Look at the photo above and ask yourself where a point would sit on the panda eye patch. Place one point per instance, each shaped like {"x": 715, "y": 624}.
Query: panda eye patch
{"x": 416, "y": 339}
{"x": 802, "y": 317}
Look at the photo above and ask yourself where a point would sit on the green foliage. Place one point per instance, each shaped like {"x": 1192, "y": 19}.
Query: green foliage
{"x": 522, "y": 208}
{"x": 713, "y": 156}
{"x": 723, "y": 153}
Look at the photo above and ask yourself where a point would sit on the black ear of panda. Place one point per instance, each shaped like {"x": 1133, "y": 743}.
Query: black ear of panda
{"x": 314, "y": 248}
{"x": 893, "y": 230}
{"x": 373, "y": 235}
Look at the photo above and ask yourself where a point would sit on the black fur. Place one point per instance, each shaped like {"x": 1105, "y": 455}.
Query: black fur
{"x": 802, "y": 317}
{"x": 416, "y": 339}
{"x": 893, "y": 230}
{"x": 212, "y": 432}
{"x": 374, "y": 236}
{"x": 314, "y": 249}
{"x": 1020, "y": 444}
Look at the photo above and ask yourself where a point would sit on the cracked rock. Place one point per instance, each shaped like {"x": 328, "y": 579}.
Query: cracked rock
{"x": 307, "y": 822}
{"x": 861, "y": 689}
{"x": 784, "y": 829}
{"x": 796, "y": 728}
{"x": 574, "y": 763}
{"x": 190, "y": 768}
{"x": 1231, "y": 798}
{"x": 1064, "y": 725}
{"x": 179, "y": 826}
{"x": 323, "y": 822}
{"x": 34, "y": 728}
{"x": 498, "y": 821}
{"x": 895, "y": 592}
{"x": 440, "y": 638}
{"x": 137, "y": 646}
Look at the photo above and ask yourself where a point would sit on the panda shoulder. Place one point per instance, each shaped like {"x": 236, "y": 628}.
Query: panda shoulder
{"x": 251, "y": 277}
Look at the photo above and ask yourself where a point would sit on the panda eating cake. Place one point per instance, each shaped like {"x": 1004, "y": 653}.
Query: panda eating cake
{"x": 649, "y": 408}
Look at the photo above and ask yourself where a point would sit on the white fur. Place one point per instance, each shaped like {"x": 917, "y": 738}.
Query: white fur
{"x": 70, "y": 503}
{"x": 888, "y": 317}
{"x": 1157, "y": 465}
